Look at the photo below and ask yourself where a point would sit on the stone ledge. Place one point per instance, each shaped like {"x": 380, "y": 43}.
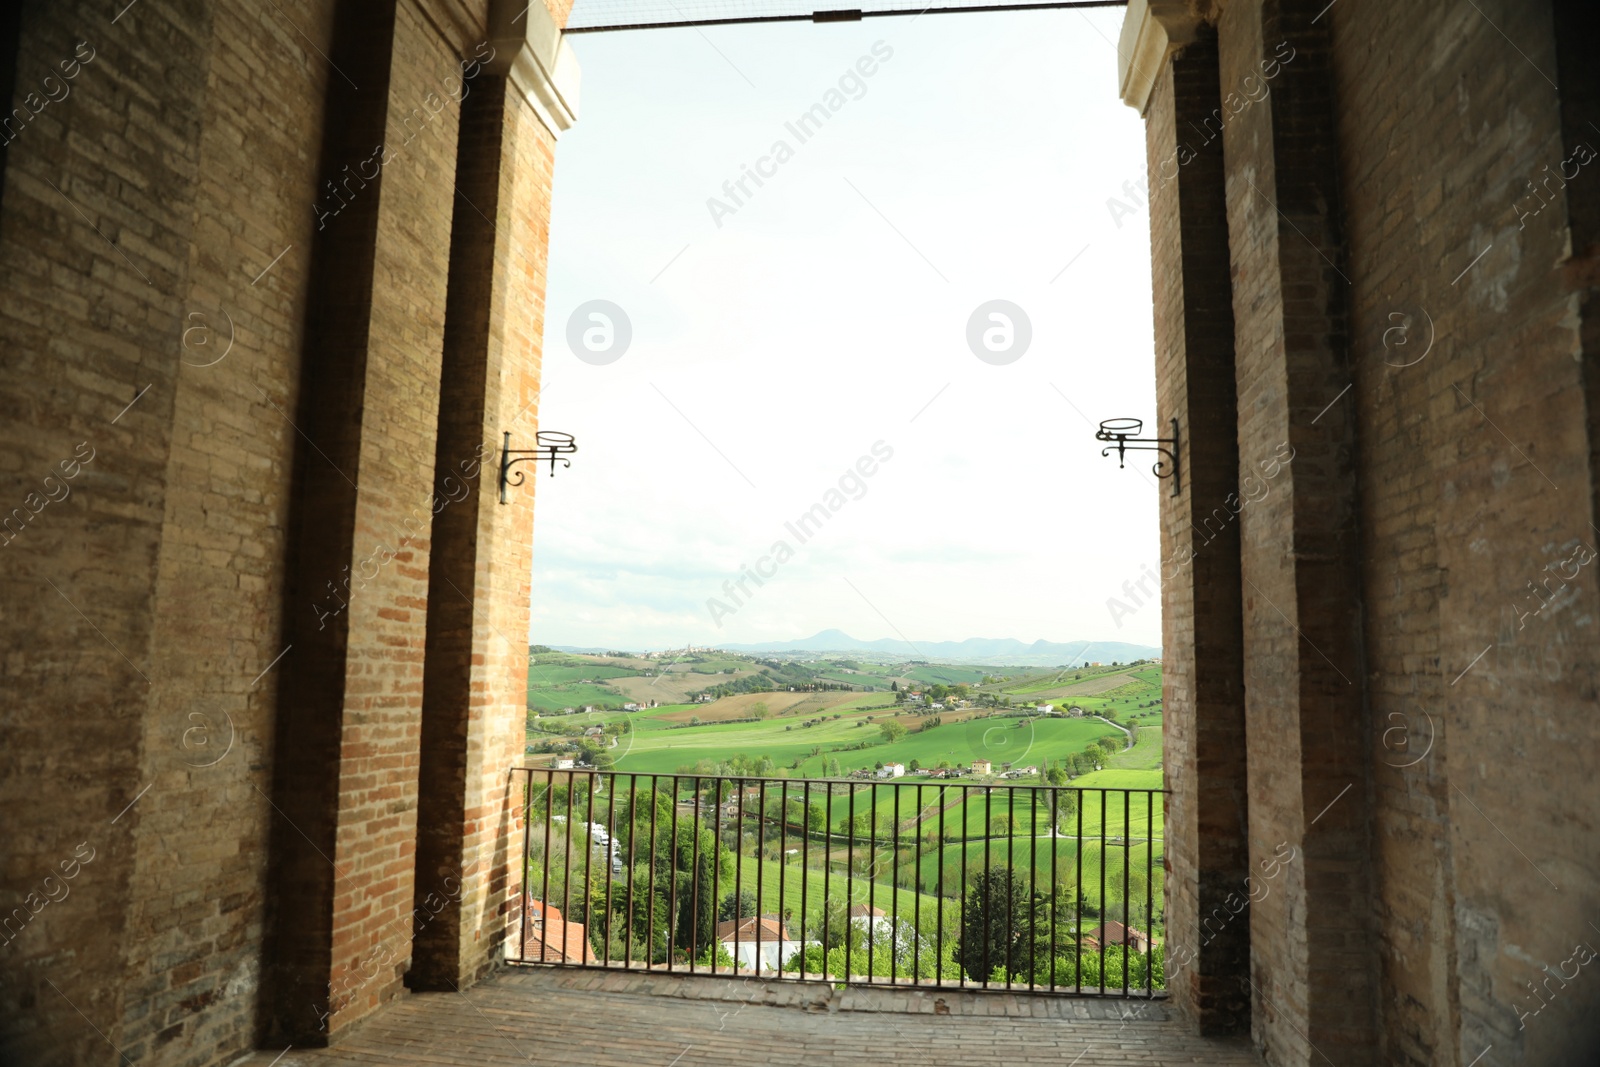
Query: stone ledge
{"x": 531, "y": 50}
{"x": 1152, "y": 31}
{"x": 818, "y": 996}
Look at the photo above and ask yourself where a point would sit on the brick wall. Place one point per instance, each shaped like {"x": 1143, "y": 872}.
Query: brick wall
{"x": 1305, "y": 684}
{"x": 475, "y": 694}
{"x": 1417, "y": 718}
{"x": 177, "y": 683}
{"x": 194, "y": 904}
{"x": 102, "y": 187}
{"x": 1476, "y": 471}
{"x": 1203, "y": 685}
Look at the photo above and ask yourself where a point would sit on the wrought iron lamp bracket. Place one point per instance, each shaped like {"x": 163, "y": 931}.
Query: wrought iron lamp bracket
{"x": 1122, "y": 435}
{"x": 553, "y": 446}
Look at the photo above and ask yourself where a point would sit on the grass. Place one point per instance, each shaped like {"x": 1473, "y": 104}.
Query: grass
{"x": 945, "y": 675}
{"x": 554, "y": 698}
{"x": 1145, "y": 755}
{"x": 998, "y": 739}
{"x": 542, "y": 676}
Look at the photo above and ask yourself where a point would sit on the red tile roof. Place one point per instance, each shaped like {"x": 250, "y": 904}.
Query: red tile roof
{"x": 769, "y": 927}
{"x": 546, "y": 936}
{"x": 1113, "y": 932}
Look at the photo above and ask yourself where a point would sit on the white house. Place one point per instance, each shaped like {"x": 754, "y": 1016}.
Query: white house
{"x": 758, "y": 944}
{"x": 630, "y": 707}
{"x": 564, "y": 763}
{"x": 892, "y": 770}
{"x": 1044, "y": 709}
{"x": 864, "y": 916}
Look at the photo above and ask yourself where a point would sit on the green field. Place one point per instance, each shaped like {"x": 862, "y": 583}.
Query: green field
{"x": 942, "y": 675}
{"x": 554, "y": 698}
{"x": 549, "y": 675}
{"x": 998, "y": 739}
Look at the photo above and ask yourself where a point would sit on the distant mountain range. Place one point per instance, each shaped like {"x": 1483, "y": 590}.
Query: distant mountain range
{"x": 995, "y": 651}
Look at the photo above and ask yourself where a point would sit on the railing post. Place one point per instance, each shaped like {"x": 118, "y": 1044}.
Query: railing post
{"x": 827, "y": 873}
{"x": 610, "y": 861}
{"x": 672, "y": 859}
{"x": 761, "y": 814}
{"x": 588, "y": 875}
{"x": 805, "y": 865}
{"x": 655, "y": 876}
{"x": 694, "y": 885}
{"x": 738, "y": 867}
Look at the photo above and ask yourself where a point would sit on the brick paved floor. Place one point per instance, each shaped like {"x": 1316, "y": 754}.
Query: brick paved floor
{"x": 545, "y": 1016}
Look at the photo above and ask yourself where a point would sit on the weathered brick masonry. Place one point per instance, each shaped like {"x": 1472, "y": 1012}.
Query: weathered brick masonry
{"x": 224, "y": 339}
{"x": 1201, "y": 622}
{"x": 1412, "y": 241}
{"x": 273, "y": 288}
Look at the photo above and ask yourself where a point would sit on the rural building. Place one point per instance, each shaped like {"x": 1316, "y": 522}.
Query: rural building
{"x": 891, "y": 770}
{"x": 1114, "y": 933}
{"x": 758, "y": 945}
{"x": 868, "y": 917}
{"x": 980, "y": 766}
{"x": 549, "y": 938}
{"x": 1375, "y": 246}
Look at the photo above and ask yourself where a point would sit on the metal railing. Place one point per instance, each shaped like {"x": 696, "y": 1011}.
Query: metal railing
{"x": 918, "y": 883}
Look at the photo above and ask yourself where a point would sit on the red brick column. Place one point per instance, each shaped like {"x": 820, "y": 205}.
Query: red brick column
{"x": 1313, "y": 961}
{"x": 474, "y": 693}
{"x": 356, "y": 585}
{"x": 1208, "y": 939}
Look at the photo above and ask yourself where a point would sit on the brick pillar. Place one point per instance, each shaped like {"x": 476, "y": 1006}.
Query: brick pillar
{"x": 356, "y": 582}
{"x": 1208, "y": 940}
{"x": 1580, "y": 116}
{"x": 475, "y": 679}
{"x": 1313, "y": 962}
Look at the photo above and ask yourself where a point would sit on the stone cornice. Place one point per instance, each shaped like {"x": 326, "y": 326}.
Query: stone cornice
{"x": 530, "y": 50}
{"x": 1152, "y": 30}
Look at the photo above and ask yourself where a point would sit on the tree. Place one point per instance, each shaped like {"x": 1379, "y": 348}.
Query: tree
{"x": 892, "y": 731}
{"x": 856, "y": 826}
{"x": 741, "y": 905}
{"x": 993, "y": 924}
{"x": 760, "y": 711}
{"x": 1065, "y": 805}
{"x": 1109, "y": 743}
{"x": 697, "y": 903}
{"x": 914, "y": 765}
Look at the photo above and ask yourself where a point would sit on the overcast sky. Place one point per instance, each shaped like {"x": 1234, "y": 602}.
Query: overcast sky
{"x": 782, "y": 332}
